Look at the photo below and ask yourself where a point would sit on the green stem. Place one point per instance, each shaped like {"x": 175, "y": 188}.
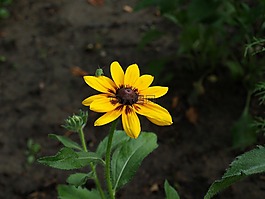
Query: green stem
{"x": 108, "y": 153}
{"x": 248, "y": 101}
{"x": 82, "y": 139}
{"x": 93, "y": 168}
{"x": 246, "y": 109}
{"x": 97, "y": 181}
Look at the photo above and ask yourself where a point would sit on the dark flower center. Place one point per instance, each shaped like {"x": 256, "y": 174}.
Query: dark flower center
{"x": 126, "y": 96}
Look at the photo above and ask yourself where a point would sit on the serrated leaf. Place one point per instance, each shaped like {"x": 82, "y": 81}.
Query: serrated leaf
{"x": 252, "y": 162}
{"x": 128, "y": 156}
{"x": 171, "y": 193}
{"x": 72, "y": 192}
{"x": 67, "y": 159}
{"x": 66, "y": 141}
{"x": 118, "y": 137}
{"x": 90, "y": 156}
{"x": 79, "y": 179}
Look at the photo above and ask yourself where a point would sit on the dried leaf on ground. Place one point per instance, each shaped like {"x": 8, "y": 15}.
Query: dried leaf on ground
{"x": 77, "y": 71}
{"x": 127, "y": 8}
{"x": 175, "y": 102}
{"x": 154, "y": 187}
{"x": 96, "y": 2}
{"x": 192, "y": 115}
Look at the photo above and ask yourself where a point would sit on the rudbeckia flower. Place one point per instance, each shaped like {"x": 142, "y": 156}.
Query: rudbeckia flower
{"x": 127, "y": 95}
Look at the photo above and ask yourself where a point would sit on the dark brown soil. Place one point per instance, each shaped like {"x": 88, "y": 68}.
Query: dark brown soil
{"x": 44, "y": 40}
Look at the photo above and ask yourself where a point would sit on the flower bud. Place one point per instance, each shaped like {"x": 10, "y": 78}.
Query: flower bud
{"x": 76, "y": 122}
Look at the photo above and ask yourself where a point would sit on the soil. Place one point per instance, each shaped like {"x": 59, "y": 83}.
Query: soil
{"x": 49, "y": 45}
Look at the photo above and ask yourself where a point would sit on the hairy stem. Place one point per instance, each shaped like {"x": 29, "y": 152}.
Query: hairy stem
{"x": 93, "y": 167}
{"x": 108, "y": 153}
{"x": 82, "y": 139}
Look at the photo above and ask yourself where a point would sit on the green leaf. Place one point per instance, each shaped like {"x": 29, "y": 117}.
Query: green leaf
{"x": 243, "y": 131}
{"x": 72, "y": 192}
{"x": 172, "y": 18}
{"x": 79, "y": 179}
{"x": 67, "y": 159}
{"x": 128, "y": 156}
{"x": 66, "y": 141}
{"x": 260, "y": 92}
{"x": 249, "y": 163}
{"x": 236, "y": 69}
{"x": 3, "y": 58}
{"x": 30, "y": 159}
{"x": 118, "y": 138}
{"x": 171, "y": 193}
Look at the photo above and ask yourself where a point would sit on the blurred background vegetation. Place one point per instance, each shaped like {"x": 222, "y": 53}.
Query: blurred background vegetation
{"x": 214, "y": 37}
{"x": 4, "y": 12}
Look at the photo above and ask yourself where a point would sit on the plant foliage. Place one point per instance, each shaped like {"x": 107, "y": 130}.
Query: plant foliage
{"x": 249, "y": 163}
{"x": 128, "y": 156}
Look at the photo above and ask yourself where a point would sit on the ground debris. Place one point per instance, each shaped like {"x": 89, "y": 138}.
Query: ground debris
{"x": 96, "y": 2}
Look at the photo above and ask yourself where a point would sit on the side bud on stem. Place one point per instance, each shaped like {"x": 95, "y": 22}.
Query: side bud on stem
{"x": 76, "y": 122}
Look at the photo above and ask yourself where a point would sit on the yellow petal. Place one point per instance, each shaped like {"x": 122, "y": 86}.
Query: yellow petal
{"x": 108, "y": 117}
{"x": 117, "y": 73}
{"x": 154, "y": 112}
{"x": 132, "y": 73}
{"x": 143, "y": 82}
{"x": 101, "y": 83}
{"x": 158, "y": 122}
{"x": 130, "y": 122}
{"x": 90, "y": 99}
{"x": 103, "y": 104}
{"x": 153, "y": 92}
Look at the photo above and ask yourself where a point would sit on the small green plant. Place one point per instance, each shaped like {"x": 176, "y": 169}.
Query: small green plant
{"x": 255, "y": 47}
{"x": 33, "y": 149}
{"x": 259, "y": 122}
{"x": 2, "y": 58}
{"x": 4, "y": 12}
{"x": 244, "y": 132}
{"x": 260, "y": 92}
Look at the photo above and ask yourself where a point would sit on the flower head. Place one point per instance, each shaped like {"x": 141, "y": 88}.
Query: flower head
{"x": 127, "y": 94}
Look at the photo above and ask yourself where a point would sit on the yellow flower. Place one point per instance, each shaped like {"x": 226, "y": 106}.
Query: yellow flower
{"x": 127, "y": 94}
